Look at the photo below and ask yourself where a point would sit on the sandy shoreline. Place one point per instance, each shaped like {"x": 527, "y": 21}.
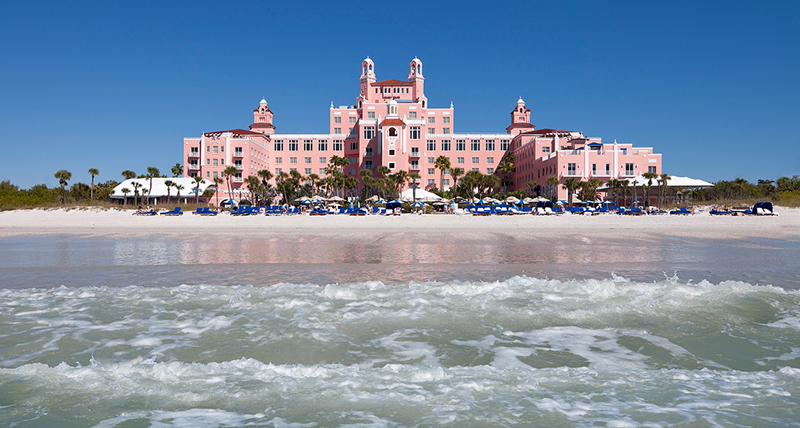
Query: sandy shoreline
{"x": 111, "y": 223}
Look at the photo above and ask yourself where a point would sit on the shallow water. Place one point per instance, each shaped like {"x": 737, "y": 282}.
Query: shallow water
{"x": 161, "y": 332}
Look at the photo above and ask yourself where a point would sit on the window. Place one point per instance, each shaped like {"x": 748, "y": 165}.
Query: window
{"x": 431, "y": 161}
{"x": 431, "y": 182}
{"x": 415, "y": 133}
{"x": 459, "y": 160}
{"x": 278, "y": 171}
{"x": 412, "y": 115}
{"x": 431, "y": 145}
{"x": 368, "y": 164}
{"x": 308, "y": 145}
{"x": 352, "y": 171}
{"x": 461, "y": 145}
{"x": 353, "y": 145}
{"x": 391, "y": 152}
{"x": 571, "y": 169}
{"x": 431, "y": 120}
{"x": 431, "y": 130}
{"x": 215, "y": 174}
{"x": 351, "y": 120}
{"x": 490, "y": 160}
{"x": 628, "y": 169}
{"x": 337, "y": 145}
{"x": 445, "y": 145}
{"x": 293, "y": 160}
{"x": 391, "y": 165}
{"x": 445, "y": 182}
{"x": 415, "y": 165}
{"x": 292, "y": 145}
{"x": 651, "y": 169}
{"x": 337, "y": 120}
{"x": 368, "y": 152}
{"x": 215, "y": 162}
{"x": 490, "y": 145}
{"x": 476, "y": 169}
{"x": 369, "y": 132}
{"x": 594, "y": 169}
{"x": 371, "y": 115}
{"x": 415, "y": 152}
{"x": 503, "y": 145}
{"x": 337, "y": 131}
{"x": 490, "y": 171}
{"x": 208, "y": 161}
{"x": 546, "y": 149}
{"x": 323, "y": 160}
{"x": 278, "y": 160}
{"x": 208, "y": 148}
{"x": 446, "y": 119}
{"x": 431, "y": 171}
{"x": 349, "y": 131}
{"x": 216, "y": 149}
{"x": 445, "y": 130}
{"x": 307, "y": 160}
{"x": 608, "y": 169}
{"x": 475, "y": 145}
{"x": 476, "y": 160}
{"x": 307, "y": 171}
{"x": 352, "y": 161}
{"x": 321, "y": 171}
{"x": 322, "y": 145}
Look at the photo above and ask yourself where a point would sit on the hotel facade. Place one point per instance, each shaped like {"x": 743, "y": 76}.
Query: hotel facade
{"x": 391, "y": 124}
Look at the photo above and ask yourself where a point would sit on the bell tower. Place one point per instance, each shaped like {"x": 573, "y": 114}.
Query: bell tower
{"x": 262, "y": 119}
{"x": 415, "y": 77}
{"x": 367, "y": 78}
{"x": 520, "y": 119}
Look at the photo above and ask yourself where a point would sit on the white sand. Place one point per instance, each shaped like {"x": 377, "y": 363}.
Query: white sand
{"x": 90, "y": 222}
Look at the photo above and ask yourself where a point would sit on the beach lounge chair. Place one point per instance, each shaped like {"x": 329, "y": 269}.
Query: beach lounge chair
{"x": 174, "y": 212}
{"x": 762, "y": 208}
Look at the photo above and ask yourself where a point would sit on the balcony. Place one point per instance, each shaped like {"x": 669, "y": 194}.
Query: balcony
{"x": 193, "y": 167}
{"x": 194, "y": 154}
{"x": 239, "y": 167}
{"x": 238, "y": 180}
{"x": 629, "y": 173}
{"x": 573, "y": 173}
{"x": 414, "y": 153}
{"x": 238, "y": 154}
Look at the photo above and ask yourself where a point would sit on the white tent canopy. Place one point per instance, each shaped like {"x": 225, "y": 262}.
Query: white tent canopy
{"x": 674, "y": 181}
{"x": 160, "y": 189}
{"x": 421, "y": 194}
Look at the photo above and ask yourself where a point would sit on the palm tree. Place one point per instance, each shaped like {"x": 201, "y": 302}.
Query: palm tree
{"x": 313, "y": 179}
{"x": 197, "y": 180}
{"x": 624, "y": 184}
{"x": 136, "y": 186}
{"x": 177, "y": 170}
{"x": 552, "y": 183}
{"x": 399, "y": 178}
{"x": 230, "y": 172}
{"x": 740, "y": 183}
{"x": 663, "y": 181}
{"x": 442, "y": 164}
{"x": 125, "y": 192}
{"x": 217, "y": 182}
{"x": 63, "y": 177}
{"x": 93, "y": 172}
{"x": 530, "y": 188}
{"x": 506, "y": 167}
{"x": 178, "y": 187}
{"x": 169, "y": 184}
{"x": 455, "y": 173}
{"x": 571, "y": 184}
{"x": 265, "y": 176}
{"x": 366, "y": 182}
{"x": 649, "y": 176}
{"x": 413, "y": 179}
{"x": 128, "y": 174}
{"x": 151, "y": 172}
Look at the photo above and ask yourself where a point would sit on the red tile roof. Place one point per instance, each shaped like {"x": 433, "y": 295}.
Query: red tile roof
{"x": 392, "y": 82}
{"x": 393, "y": 122}
{"x": 234, "y": 131}
{"x": 547, "y": 131}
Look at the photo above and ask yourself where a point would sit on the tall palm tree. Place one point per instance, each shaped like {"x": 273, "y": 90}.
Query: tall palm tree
{"x": 399, "y": 178}
{"x": 455, "y": 173}
{"x": 552, "y": 183}
{"x": 136, "y": 187}
{"x": 230, "y": 172}
{"x": 413, "y": 179}
{"x": 265, "y": 176}
{"x": 128, "y": 174}
{"x": 663, "y": 182}
{"x": 63, "y": 177}
{"x": 624, "y": 185}
{"x": 151, "y": 172}
{"x": 169, "y": 184}
{"x": 506, "y": 167}
{"x": 197, "y": 181}
{"x": 649, "y": 176}
{"x": 177, "y": 170}
{"x": 571, "y": 184}
{"x": 442, "y": 164}
{"x": 178, "y": 187}
{"x": 217, "y": 182}
{"x": 313, "y": 179}
{"x": 93, "y": 172}
{"x": 125, "y": 192}
{"x": 530, "y": 187}
{"x": 740, "y": 183}
{"x": 366, "y": 182}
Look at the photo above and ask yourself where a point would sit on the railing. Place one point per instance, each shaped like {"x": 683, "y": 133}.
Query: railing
{"x": 629, "y": 173}
{"x": 238, "y": 154}
{"x": 239, "y": 167}
{"x": 238, "y": 180}
{"x": 575, "y": 153}
{"x": 414, "y": 154}
{"x": 194, "y": 154}
{"x": 414, "y": 167}
{"x": 194, "y": 166}
{"x": 575, "y": 173}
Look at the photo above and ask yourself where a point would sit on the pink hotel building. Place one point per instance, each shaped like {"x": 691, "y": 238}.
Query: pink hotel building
{"x": 391, "y": 124}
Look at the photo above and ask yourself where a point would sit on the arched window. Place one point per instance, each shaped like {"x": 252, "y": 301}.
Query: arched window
{"x": 423, "y": 104}
{"x": 392, "y": 132}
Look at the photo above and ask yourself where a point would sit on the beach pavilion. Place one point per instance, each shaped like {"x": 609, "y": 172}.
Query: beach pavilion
{"x": 674, "y": 184}
{"x": 159, "y": 192}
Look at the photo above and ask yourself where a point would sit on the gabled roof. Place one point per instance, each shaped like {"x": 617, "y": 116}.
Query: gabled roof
{"x": 393, "y": 122}
{"x": 392, "y": 82}
{"x": 234, "y": 131}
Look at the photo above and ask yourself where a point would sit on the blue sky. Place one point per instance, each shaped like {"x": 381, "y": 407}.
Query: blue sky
{"x": 711, "y": 85}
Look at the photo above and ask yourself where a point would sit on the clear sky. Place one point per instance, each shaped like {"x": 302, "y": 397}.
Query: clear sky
{"x": 714, "y": 86}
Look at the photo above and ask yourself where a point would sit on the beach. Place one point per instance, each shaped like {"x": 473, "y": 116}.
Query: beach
{"x": 121, "y": 223}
